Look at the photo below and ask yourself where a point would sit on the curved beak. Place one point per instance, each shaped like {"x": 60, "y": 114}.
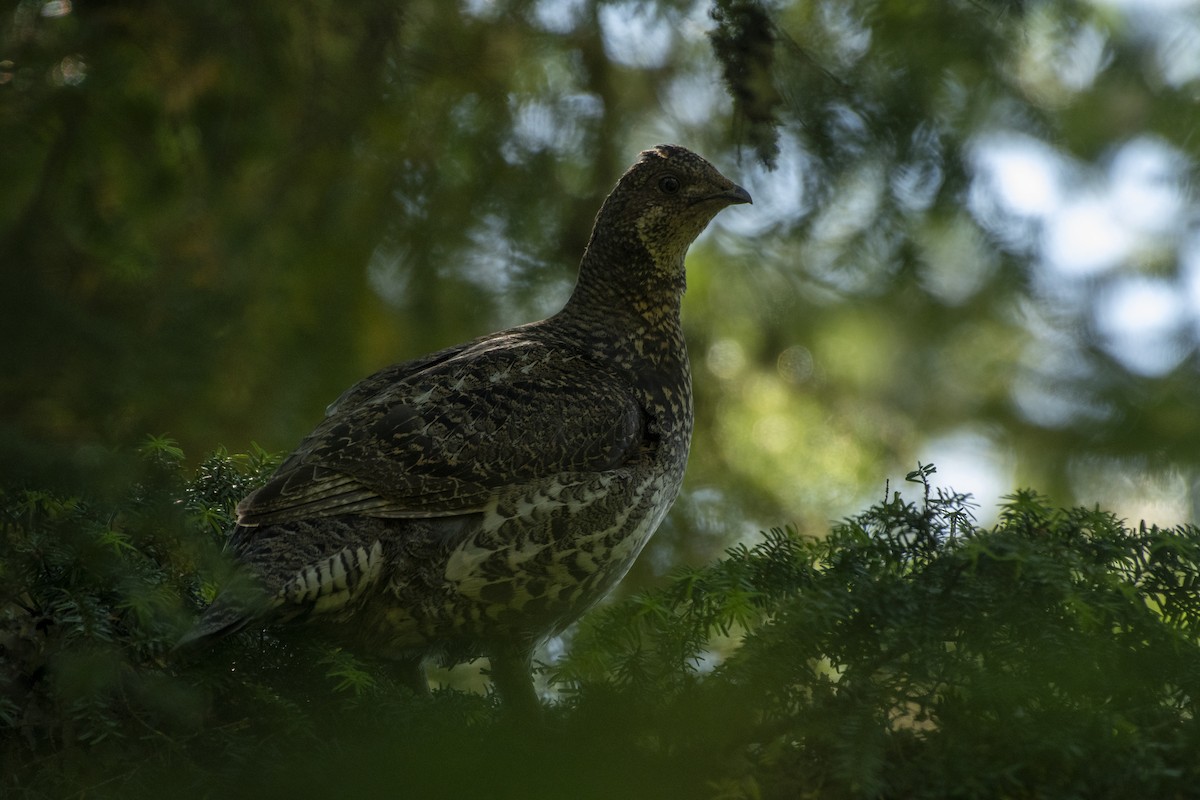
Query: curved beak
{"x": 737, "y": 195}
{"x": 732, "y": 196}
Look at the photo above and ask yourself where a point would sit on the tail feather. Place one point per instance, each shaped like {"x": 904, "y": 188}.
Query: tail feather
{"x": 217, "y": 622}
{"x": 238, "y": 606}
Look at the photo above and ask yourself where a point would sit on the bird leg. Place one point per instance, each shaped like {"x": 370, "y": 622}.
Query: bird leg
{"x": 412, "y": 674}
{"x": 511, "y": 673}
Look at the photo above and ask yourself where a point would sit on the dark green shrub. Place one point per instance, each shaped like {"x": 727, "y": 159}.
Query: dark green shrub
{"x": 905, "y": 654}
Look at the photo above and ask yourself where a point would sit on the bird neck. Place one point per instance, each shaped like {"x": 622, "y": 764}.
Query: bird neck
{"x": 621, "y": 284}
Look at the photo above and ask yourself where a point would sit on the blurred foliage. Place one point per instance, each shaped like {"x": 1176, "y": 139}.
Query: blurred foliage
{"x": 908, "y": 654}
{"x": 906, "y": 302}
{"x": 218, "y": 216}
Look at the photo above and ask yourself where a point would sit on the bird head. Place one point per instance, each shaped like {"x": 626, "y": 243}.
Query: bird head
{"x": 634, "y": 258}
{"x": 667, "y": 198}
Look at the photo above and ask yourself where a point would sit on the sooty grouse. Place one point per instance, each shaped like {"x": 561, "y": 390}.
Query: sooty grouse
{"x": 478, "y": 500}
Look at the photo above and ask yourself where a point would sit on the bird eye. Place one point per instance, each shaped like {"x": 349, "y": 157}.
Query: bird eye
{"x": 669, "y": 184}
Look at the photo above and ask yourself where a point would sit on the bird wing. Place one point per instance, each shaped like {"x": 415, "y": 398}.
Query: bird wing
{"x": 441, "y": 439}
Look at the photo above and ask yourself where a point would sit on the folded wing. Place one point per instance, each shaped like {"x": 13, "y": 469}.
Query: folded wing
{"x": 441, "y": 436}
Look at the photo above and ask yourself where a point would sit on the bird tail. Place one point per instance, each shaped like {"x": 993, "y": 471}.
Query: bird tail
{"x": 216, "y": 624}
{"x": 237, "y": 606}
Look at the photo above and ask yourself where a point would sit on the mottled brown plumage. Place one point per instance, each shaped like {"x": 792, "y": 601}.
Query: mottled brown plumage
{"x": 478, "y": 500}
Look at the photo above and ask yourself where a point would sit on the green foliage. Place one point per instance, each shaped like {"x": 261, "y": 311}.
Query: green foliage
{"x": 909, "y": 655}
{"x": 743, "y": 42}
{"x": 94, "y": 594}
{"x": 905, "y": 654}
{"x": 219, "y": 215}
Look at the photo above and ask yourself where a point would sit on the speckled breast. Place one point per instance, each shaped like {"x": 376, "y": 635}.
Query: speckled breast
{"x": 539, "y": 559}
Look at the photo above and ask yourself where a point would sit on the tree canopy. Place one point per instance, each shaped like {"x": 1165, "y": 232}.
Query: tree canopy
{"x": 972, "y": 242}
